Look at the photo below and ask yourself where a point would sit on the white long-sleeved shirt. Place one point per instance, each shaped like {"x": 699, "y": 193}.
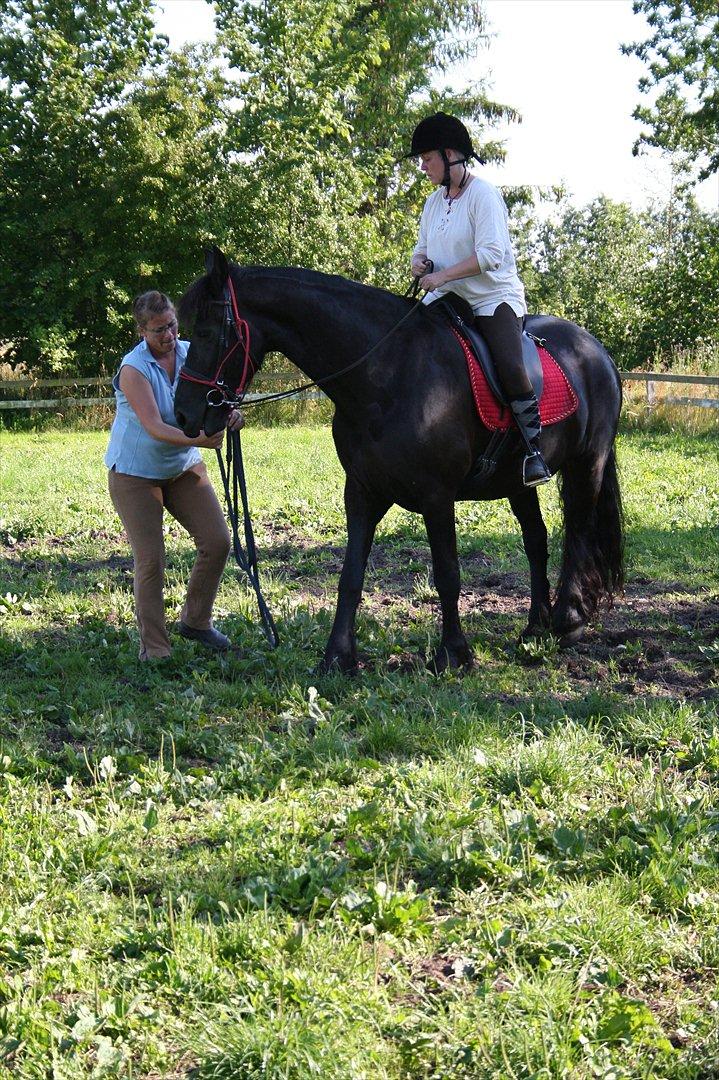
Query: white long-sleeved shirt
{"x": 474, "y": 224}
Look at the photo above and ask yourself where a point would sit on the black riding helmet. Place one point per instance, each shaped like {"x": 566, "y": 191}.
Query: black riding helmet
{"x": 440, "y": 132}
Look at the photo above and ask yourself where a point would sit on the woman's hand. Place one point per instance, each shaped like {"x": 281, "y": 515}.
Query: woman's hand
{"x": 235, "y": 420}
{"x": 209, "y": 442}
{"x": 428, "y": 282}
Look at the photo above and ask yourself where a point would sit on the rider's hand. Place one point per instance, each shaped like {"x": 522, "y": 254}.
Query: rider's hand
{"x": 420, "y": 265}
{"x": 428, "y": 282}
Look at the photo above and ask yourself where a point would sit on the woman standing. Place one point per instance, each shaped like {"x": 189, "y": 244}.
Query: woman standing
{"x": 154, "y": 467}
{"x": 464, "y": 234}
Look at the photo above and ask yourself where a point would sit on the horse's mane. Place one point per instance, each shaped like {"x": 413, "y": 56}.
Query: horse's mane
{"x": 195, "y": 299}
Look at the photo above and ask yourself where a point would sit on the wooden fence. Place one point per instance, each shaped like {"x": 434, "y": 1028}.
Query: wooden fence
{"x": 275, "y": 379}
{"x": 272, "y": 381}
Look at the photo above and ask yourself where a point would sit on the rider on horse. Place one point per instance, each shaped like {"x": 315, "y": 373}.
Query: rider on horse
{"x": 464, "y": 247}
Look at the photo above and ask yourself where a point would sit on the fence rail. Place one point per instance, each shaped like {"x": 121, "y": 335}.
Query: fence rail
{"x": 651, "y": 378}
{"x": 271, "y": 379}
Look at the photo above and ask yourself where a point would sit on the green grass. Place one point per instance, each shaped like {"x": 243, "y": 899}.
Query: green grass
{"x": 229, "y": 867}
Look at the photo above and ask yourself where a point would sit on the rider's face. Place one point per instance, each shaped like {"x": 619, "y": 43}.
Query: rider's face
{"x": 432, "y": 165}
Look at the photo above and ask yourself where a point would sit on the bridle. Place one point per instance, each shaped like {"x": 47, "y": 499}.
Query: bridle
{"x": 219, "y": 392}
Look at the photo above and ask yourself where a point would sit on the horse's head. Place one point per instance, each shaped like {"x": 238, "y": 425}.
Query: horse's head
{"x": 219, "y": 366}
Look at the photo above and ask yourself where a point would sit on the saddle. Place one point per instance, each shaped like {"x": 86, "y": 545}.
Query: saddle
{"x": 460, "y": 317}
{"x": 552, "y": 389}
{"x": 555, "y": 394}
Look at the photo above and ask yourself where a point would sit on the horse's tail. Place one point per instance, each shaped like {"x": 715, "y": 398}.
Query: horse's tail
{"x": 592, "y": 571}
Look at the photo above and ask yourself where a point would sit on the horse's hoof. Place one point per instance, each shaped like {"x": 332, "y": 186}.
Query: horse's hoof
{"x": 337, "y": 665}
{"x": 539, "y": 622}
{"x": 532, "y": 631}
{"x": 571, "y": 635}
{"x": 454, "y": 660}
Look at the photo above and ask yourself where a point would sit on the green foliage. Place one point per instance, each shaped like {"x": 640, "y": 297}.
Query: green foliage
{"x": 679, "y": 294}
{"x": 107, "y": 157}
{"x": 642, "y": 282}
{"x": 682, "y": 55}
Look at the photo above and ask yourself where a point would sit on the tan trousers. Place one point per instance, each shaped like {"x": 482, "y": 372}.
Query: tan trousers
{"x": 192, "y": 501}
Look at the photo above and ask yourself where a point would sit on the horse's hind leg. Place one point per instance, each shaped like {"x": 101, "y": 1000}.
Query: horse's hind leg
{"x": 453, "y": 651}
{"x": 362, "y": 518}
{"x": 534, "y": 536}
{"x": 593, "y": 557}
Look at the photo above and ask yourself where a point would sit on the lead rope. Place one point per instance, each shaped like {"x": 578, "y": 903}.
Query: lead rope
{"x": 246, "y": 559}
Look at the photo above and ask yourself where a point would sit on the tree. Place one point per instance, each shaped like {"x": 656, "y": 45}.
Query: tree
{"x": 589, "y": 265}
{"x": 107, "y": 175}
{"x": 330, "y": 91}
{"x": 683, "y": 58}
{"x": 679, "y": 293}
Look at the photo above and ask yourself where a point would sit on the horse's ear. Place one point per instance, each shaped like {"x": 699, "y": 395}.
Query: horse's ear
{"x": 216, "y": 266}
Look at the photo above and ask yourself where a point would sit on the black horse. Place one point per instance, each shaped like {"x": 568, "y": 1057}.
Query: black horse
{"x": 406, "y": 431}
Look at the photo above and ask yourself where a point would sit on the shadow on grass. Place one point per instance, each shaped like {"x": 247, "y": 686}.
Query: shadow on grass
{"x": 686, "y": 556}
{"x": 81, "y": 686}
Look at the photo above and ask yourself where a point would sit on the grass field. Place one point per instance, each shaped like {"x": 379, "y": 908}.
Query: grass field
{"x": 230, "y": 867}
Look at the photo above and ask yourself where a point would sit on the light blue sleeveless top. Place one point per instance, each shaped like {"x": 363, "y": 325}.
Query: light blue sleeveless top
{"x": 131, "y": 450}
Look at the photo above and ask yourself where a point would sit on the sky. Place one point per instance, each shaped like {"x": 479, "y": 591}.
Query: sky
{"x": 559, "y": 64}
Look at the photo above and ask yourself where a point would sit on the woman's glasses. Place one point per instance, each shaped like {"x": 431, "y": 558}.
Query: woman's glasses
{"x": 172, "y": 325}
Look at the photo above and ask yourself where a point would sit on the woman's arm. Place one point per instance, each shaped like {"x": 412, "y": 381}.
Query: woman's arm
{"x": 466, "y": 268}
{"x": 137, "y": 390}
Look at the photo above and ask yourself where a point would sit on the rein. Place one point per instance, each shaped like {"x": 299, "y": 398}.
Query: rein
{"x": 335, "y": 374}
{"x": 246, "y": 559}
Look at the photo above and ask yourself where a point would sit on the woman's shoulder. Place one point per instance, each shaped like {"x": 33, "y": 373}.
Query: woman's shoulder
{"x": 137, "y": 358}
{"x": 483, "y": 189}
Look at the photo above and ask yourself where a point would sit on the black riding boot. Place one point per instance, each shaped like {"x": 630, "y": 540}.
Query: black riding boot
{"x": 526, "y": 415}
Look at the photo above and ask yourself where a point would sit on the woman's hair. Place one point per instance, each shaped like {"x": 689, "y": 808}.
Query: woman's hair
{"x": 149, "y": 304}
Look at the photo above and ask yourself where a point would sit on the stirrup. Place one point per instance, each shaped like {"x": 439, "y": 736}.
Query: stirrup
{"x": 529, "y": 466}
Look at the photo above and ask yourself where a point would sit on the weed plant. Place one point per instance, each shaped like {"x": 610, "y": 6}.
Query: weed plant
{"x": 232, "y": 867}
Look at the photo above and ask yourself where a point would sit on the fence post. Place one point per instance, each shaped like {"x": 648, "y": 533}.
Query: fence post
{"x": 651, "y": 392}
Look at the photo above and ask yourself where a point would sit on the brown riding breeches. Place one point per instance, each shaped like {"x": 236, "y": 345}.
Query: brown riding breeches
{"x": 190, "y": 498}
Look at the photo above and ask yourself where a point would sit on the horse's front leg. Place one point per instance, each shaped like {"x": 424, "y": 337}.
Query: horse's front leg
{"x": 526, "y": 509}
{"x": 453, "y": 650}
{"x": 362, "y": 517}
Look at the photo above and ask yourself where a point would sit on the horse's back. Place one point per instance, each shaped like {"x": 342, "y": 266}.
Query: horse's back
{"x": 586, "y": 362}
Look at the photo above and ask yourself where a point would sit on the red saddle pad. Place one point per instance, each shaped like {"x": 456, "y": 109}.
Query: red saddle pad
{"x": 558, "y": 399}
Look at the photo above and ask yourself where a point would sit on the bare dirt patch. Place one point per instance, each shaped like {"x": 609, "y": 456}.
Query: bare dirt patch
{"x": 658, "y": 639}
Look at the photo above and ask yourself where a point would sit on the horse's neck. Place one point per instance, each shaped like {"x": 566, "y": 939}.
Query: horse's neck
{"x": 320, "y": 326}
